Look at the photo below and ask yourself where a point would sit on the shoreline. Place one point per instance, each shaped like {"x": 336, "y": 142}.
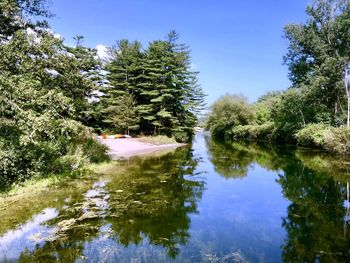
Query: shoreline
{"x": 129, "y": 147}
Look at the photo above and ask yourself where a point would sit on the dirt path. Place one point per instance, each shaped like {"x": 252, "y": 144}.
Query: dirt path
{"x": 127, "y": 147}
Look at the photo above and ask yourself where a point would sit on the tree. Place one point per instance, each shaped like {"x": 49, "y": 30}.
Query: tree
{"x": 159, "y": 78}
{"x": 317, "y": 53}
{"x": 346, "y": 86}
{"x": 15, "y": 14}
{"x": 265, "y": 106}
{"x": 227, "y": 112}
{"x": 43, "y": 93}
{"x": 122, "y": 114}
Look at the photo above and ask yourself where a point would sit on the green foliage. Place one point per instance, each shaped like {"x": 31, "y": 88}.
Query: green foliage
{"x": 265, "y": 106}
{"x": 44, "y": 87}
{"x": 157, "y": 140}
{"x": 289, "y": 113}
{"x": 312, "y": 135}
{"x": 254, "y": 132}
{"x": 183, "y": 136}
{"x": 318, "y": 50}
{"x": 15, "y": 14}
{"x": 227, "y": 112}
{"x": 331, "y": 139}
{"x": 122, "y": 113}
{"x": 338, "y": 140}
{"x": 159, "y": 78}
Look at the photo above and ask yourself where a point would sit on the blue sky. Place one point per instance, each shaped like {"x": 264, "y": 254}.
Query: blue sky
{"x": 236, "y": 45}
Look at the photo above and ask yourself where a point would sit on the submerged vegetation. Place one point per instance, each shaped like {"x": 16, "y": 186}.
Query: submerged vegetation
{"x": 152, "y": 203}
{"x": 313, "y": 111}
{"x": 152, "y": 209}
{"x": 54, "y": 98}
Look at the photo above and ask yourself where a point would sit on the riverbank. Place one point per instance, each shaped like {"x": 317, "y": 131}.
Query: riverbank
{"x": 118, "y": 149}
{"x": 128, "y": 147}
{"x": 335, "y": 140}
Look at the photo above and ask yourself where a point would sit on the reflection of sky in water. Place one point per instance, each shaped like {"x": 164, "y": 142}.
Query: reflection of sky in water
{"x": 27, "y": 236}
{"x": 106, "y": 249}
{"x": 241, "y": 214}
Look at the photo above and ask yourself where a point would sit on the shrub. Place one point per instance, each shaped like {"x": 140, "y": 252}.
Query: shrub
{"x": 313, "y": 135}
{"x": 183, "y": 136}
{"x": 157, "y": 140}
{"x": 257, "y": 132}
{"x": 331, "y": 139}
{"x": 338, "y": 140}
{"x": 71, "y": 145}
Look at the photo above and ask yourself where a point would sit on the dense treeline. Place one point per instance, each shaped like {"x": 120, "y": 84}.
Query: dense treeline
{"x": 314, "y": 109}
{"x": 151, "y": 91}
{"x": 47, "y": 120}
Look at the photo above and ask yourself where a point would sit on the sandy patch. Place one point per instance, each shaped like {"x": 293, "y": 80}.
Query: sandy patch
{"x": 127, "y": 147}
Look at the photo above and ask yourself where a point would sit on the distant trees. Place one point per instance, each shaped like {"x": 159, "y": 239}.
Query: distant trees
{"x": 318, "y": 53}
{"x": 161, "y": 82}
{"x": 227, "y": 112}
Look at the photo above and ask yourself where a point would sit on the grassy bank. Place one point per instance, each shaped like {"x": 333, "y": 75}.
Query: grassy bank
{"x": 330, "y": 139}
{"x": 157, "y": 140}
{"x": 38, "y": 184}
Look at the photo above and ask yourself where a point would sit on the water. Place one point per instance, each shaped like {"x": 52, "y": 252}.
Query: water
{"x": 212, "y": 202}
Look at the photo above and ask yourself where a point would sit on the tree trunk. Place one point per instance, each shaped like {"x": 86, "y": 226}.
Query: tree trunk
{"x": 346, "y": 85}
{"x": 348, "y": 121}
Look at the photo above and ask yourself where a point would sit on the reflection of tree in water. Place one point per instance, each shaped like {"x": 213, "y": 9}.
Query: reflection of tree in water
{"x": 316, "y": 224}
{"x": 152, "y": 200}
{"x": 163, "y": 198}
{"x": 228, "y": 161}
{"x": 233, "y": 159}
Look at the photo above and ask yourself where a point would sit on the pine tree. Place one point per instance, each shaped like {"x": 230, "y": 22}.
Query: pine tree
{"x": 122, "y": 114}
{"x": 160, "y": 80}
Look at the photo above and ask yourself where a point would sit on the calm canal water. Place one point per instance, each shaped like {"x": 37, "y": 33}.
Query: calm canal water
{"x": 211, "y": 202}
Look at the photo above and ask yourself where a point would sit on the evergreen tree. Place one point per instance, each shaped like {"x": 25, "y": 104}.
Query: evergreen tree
{"x": 122, "y": 114}
{"x": 160, "y": 80}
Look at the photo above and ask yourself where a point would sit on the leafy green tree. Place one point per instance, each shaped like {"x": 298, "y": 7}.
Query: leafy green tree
{"x": 227, "y": 112}
{"x": 317, "y": 53}
{"x": 42, "y": 88}
{"x": 265, "y": 106}
{"x": 19, "y": 14}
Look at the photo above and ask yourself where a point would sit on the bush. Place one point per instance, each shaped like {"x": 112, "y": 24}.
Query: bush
{"x": 183, "y": 136}
{"x": 338, "y": 140}
{"x": 255, "y": 132}
{"x": 313, "y": 135}
{"x": 284, "y": 133}
{"x": 331, "y": 139}
{"x": 70, "y": 147}
{"x": 157, "y": 140}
